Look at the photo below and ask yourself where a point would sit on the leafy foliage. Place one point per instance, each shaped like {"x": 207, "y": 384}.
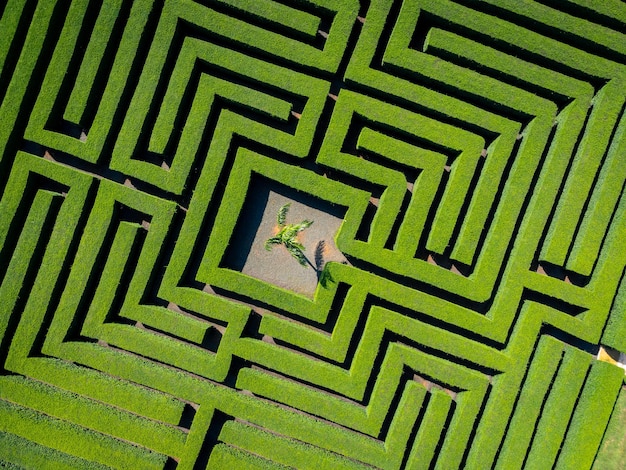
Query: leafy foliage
{"x": 287, "y": 236}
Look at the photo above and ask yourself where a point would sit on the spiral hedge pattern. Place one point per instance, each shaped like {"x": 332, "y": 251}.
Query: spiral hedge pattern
{"x": 474, "y": 151}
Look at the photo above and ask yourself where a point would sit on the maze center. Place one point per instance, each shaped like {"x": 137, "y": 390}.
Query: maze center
{"x": 258, "y": 222}
{"x": 458, "y": 299}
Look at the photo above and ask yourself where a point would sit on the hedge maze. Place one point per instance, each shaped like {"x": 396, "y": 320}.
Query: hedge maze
{"x": 474, "y": 153}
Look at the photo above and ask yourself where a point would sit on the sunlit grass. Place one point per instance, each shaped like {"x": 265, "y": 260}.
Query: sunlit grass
{"x": 612, "y": 453}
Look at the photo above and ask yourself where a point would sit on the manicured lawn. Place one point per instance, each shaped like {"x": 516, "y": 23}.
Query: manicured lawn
{"x": 612, "y": 454}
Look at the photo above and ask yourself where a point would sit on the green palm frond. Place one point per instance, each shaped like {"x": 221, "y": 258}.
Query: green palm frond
{"x": 270, "y": 242}
{"x": 297, "y": 254}
{"x": 282, "y": 214}
{"x": 287, "y": 235}
{"x": 294, "y": 244}
{"x": 288, "y": 232}
{"x": 302, "y": 225}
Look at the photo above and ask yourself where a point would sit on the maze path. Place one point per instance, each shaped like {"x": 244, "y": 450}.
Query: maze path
{"x": 475, "y": 151}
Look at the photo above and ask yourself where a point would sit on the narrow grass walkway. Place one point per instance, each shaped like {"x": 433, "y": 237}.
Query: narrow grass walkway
{"x": 612, "y": 454}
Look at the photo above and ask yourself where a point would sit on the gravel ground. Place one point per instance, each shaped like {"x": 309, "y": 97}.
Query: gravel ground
{"x": 258, "y": 223}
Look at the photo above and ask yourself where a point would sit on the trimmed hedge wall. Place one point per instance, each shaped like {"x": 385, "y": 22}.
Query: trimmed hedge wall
{"x": 472, "y": 154}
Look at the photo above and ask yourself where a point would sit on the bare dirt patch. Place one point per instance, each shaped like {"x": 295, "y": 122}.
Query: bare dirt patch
{"x": 257, "y": 223}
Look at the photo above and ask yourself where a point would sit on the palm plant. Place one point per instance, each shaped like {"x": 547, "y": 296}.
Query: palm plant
{"x": 287, "y": 236}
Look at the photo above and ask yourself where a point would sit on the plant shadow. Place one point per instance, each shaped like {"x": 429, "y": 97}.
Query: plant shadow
{"x": 323, "y": 275}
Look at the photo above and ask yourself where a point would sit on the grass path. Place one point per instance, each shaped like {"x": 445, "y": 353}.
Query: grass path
{"x": 612, "y": 454}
